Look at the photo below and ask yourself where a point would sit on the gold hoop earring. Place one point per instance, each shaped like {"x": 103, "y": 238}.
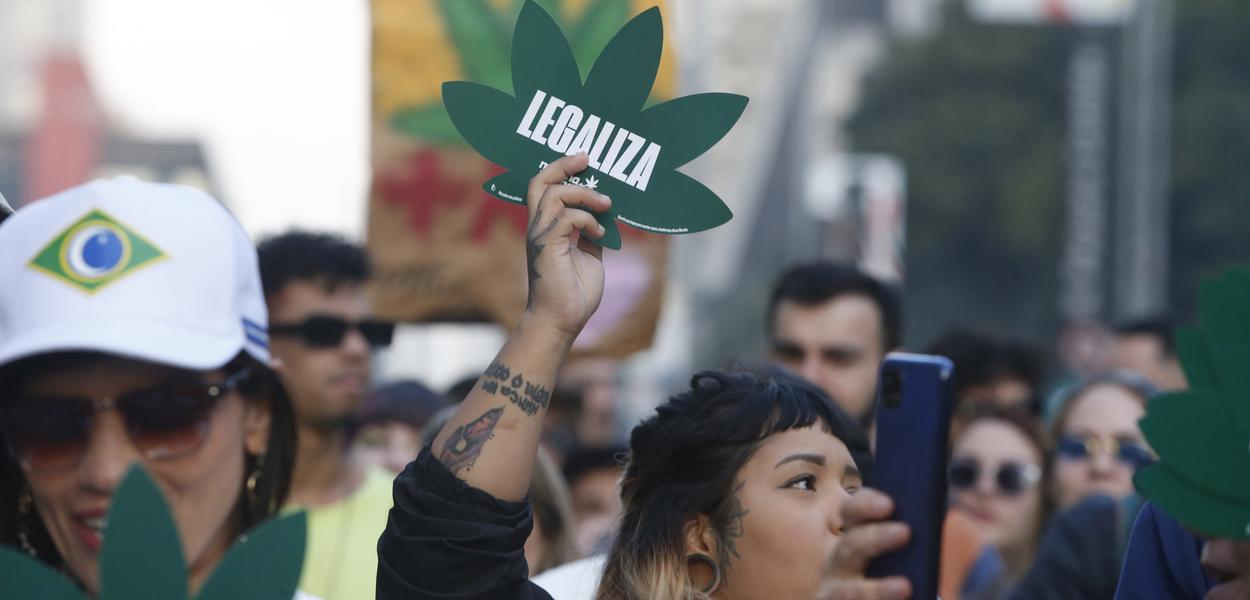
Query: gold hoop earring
{"x": 711, "y": 588}
{"x": 253, "y": 481}
{"x": 25, "y": 510}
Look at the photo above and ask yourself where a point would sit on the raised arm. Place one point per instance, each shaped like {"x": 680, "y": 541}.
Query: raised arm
{"x": 492, "y": 440}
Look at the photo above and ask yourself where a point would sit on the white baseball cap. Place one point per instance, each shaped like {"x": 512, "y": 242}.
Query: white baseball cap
{"x": 157, "y": 272}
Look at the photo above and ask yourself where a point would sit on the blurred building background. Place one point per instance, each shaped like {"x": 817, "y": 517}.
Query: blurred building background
{"x": 54, "y": 133}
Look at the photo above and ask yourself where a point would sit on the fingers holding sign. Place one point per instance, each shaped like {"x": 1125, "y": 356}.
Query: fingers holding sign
{"x": 565, "y": 269}
{"x": 866, "y": 537}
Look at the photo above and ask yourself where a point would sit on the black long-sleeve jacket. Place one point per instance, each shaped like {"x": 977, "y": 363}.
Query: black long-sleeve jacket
{"x": 446, "y": 540}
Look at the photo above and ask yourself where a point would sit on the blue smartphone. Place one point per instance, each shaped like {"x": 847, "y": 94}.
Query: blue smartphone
{"x": 913, "y": 426}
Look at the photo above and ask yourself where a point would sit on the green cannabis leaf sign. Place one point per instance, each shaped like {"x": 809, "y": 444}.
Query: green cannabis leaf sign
{"x": 142, "y": 558}
{"x": 634, "y": 153}
{"x": 1202, "y": 435}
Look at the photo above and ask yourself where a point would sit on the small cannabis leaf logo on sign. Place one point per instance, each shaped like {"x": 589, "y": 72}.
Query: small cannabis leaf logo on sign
{"x": 142, "y": 557}
{"x": 1202, "y": 435}
{"x": 634, "y": 153}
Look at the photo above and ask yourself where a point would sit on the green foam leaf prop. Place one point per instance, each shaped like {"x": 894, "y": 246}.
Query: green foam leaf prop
{"x": 264, "y": 566}
{"x": 1193, "y": 505}
{"x": 1202, "y": 435}
{"x": 142, "y": 559}
{"x": 24, "y": 577}
{"x": 634, "y": 153}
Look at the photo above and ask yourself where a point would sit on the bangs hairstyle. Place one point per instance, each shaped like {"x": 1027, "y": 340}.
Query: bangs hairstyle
{"x": 684, "y": 462}
{"x": 272, "y": 486}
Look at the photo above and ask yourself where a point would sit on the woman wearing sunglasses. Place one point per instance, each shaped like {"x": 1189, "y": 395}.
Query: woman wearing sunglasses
{"x": 1098, "y": 445}
{"x": 133, "y": 330}
{"x": 998, "y": 462}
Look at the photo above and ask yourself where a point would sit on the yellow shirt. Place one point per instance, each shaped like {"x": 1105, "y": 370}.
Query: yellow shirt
{"x": 341, "y": 558}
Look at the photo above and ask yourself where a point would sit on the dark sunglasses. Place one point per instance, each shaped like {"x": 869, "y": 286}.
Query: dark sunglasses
{"x": 323, "y": 331}
{"x": 1135, "y": 455}
{"x": 51, "y": 433}
{"x": 1012, "y": 478}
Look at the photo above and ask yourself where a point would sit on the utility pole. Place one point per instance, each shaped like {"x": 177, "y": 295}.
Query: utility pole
{"x": 1143, "y": 218}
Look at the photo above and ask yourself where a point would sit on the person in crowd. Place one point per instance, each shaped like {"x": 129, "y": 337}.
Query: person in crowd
{"x": 1098, "y": 445}
{"x": 133, "y": 330}
{"x": 593, "y": 383}
{"x": 554, "y": 539}
{"x": 323, "y": 333}
{"x": 1147, "y": 346}
{"x": 1098, "y": 448}
{"x": 991, "y": 370}
{"x": 594, "y": 476}
{"x": 386, "y": 430}
{"x": 833, "y": 324}
{"x": 997, "y": 472}
{"x": 733, "y": 487}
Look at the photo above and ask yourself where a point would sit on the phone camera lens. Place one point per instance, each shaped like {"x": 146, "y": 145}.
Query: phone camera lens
{"x": 892, "y": 388}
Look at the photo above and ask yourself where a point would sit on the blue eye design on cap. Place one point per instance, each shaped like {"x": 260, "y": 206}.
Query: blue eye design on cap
{"x": 96, "y": 251}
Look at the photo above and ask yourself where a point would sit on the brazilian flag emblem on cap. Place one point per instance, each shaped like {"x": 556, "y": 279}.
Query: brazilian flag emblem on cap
{"x": 94, "y": 251}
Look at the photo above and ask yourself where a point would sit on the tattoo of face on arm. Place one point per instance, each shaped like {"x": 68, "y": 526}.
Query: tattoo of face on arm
{"x": 500, "y": 381}
{"x": 733, "y": 528}
{"x": 465, "y": 444}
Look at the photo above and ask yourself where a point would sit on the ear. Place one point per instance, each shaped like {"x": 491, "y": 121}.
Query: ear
{"x": 700, "y": 538}
{"x": 275, "y": 363}
{"x": 257, "y": 417}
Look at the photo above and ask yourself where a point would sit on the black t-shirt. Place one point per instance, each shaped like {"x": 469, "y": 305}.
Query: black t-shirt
{"x": 447, "y": 540}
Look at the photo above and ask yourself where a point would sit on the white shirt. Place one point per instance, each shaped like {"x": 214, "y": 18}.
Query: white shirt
{"x": 577, "y": 580}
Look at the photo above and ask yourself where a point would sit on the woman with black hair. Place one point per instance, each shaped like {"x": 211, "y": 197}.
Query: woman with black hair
{"x": 133, "y": 330}
{"x": 732, "y": 489}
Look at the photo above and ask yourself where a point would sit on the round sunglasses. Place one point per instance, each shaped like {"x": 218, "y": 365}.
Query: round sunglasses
{"x": 324, "y": 331}
{"x": 46, "y": 433}
{"x": 1131, "y": 453}
{"x": 1011, "y": 478}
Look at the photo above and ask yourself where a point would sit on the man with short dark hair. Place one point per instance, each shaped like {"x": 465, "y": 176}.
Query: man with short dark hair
{"x": 593, "y": 475}
{"x": 833, "y": 324}
{"x": 991, "y": 369}
{"x": 1146, "y": 346}
{"x": 323, "y": 334}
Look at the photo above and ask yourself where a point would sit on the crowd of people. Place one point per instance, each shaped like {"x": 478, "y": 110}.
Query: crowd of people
{"x": 138, "y": 323}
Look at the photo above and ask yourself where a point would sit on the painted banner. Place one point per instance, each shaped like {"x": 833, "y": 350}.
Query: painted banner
{"x": 444, "y": 249}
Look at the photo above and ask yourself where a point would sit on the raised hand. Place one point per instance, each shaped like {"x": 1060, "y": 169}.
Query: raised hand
{"x": 565, "y": 269}
{"x": 867, "y": 536}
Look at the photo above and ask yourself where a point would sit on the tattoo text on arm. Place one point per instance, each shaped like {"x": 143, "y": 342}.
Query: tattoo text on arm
{"x": 501, "y": 381}
{"x": 465, "y": 444}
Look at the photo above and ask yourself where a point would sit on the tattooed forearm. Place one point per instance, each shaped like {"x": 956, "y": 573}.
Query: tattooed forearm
{"x": 464, "y": 445}
{"x": 530, "y": 398}
{"x": 732, "y": 527}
